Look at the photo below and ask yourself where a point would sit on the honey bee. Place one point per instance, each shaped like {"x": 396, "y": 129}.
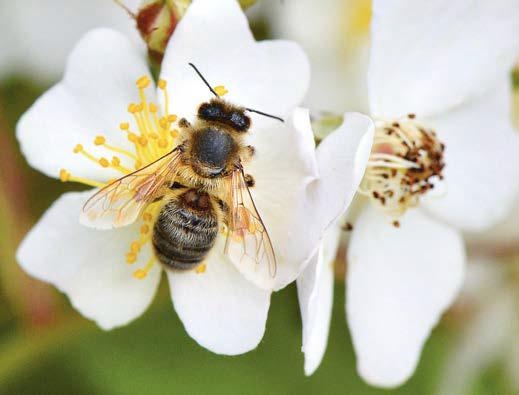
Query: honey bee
{"x": 201, "y": 184}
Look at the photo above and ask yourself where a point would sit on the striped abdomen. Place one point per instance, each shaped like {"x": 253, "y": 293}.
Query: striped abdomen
{"x": 185, "y": 230}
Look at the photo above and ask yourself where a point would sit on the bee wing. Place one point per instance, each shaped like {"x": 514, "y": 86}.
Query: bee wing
{"x": 247, "y": 237}
{"x": 119, "y": 203}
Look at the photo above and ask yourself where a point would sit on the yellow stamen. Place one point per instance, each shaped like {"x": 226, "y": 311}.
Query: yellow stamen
{"x": 131, "y": 257}
{"x": 143, "y": 141}
{"x": 163, "y": 143}
{"x": 133, "y": 108}
{"x": 116, "y": 161}
{"x": 201, "y": 268}
{"x": 104, "y": 162}
{"x": 64, "y": 175}
{"x": 220, "y": 90}
{"x": 143, "y": 82}
{"x": 99, "y": 140}
{"x": 150, "y": 135}
{"x": 120, "y": 151}
{"x": 163, "y": 123}
{"x": 162, "y": 84}
{"x": 142, "y": 273}
{"x": 135, "y": 247}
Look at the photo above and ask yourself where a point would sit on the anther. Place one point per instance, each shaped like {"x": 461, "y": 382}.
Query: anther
{"x": 131, "y": 257}
{"x": 124, "y": 126}
{"x": 143, "y": 141}
{"x": 104, "y": 162}
{"x": 220, "y": 90}
{"x": 201, "y": 268}
{"x": 162, "y": 84}
{"x": 145, "y": 229}
{"x": 133, "y": 108}
{"x": 99, "y": 140}
{"x": 143, "y": 82}
{"x": 78, "y": 148}
{"x": 404, "y": 158}
{"x": 64, "y": 175}
{"x": 135, "y": 247}
{"x": 163, "y": 143}
{"x": 142, "y": 273}
{"x": 116, "y": 161}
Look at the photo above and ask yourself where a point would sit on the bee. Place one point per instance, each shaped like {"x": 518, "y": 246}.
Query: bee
{"x": 202, "y": 185}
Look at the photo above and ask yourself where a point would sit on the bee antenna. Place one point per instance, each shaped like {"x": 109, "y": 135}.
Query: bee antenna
{"x": 265, "y": 114}
{"x": 203, "y": 79}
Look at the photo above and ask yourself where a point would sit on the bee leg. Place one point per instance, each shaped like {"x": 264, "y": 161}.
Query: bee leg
{"x": 184, "y": 123}
{"x": 249, "y": 180}
{"x": 248, "y": 153}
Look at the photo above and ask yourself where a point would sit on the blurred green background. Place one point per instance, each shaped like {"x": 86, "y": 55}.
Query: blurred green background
{"x": 48, "y": 348}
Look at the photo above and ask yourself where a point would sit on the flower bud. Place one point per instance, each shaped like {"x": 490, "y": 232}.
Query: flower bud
{"x": 156, "y": 21}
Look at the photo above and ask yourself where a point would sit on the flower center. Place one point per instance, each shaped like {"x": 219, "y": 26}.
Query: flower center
{"x": 152, "y": 136}
{"x": 404, "y": 160}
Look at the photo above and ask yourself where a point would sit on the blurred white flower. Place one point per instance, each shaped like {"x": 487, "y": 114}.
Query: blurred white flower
{"x": 450, "y": 65}
{"x": 491, "y": 331}
{"x": 37, "y": 35}
{"x": 335, "y": 35}
{"x": 223, "y": 305}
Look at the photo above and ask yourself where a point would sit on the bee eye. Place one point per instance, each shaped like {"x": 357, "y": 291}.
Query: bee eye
{"x": 210, "y": 111}
{"x": 240, "y": 121}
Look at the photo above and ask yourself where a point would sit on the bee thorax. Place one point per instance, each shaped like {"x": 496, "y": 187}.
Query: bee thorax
{"x": 211, "y": 151}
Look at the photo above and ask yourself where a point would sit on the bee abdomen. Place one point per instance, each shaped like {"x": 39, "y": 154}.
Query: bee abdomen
{"x": 185, "y": 231}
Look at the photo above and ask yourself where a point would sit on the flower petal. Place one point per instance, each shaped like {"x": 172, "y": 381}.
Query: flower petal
{"x": 482, "y": 162}
{"x": 315, "y": 294}
{"x": 429, "y": 57}
{"x": 92, "y": 99}
{"x": 88, "y": 265}
{"x": 341, "y": 159}
{"x": 399, "y": 282}
{"x": 270, "y": 76}
{"x": 221, "y": 310}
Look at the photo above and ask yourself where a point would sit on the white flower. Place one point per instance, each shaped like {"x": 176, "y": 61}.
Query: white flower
{"x": 295, "y": 191}
{"x": 38, "y": 35}
{"x": 335, "y": 35}
{"x": 449, "y": 64}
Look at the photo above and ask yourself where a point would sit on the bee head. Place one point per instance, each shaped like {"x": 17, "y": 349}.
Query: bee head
{"x": 218, "y": 111}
